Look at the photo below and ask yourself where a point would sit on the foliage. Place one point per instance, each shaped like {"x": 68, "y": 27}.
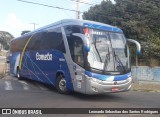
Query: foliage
{"x": 139, "y": 19}
{"x": 5, "y": 38}
{"x": 25, "y": 31}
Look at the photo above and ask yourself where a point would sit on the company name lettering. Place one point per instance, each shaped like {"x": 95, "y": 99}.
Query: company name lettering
{"x": 44, "y": 57}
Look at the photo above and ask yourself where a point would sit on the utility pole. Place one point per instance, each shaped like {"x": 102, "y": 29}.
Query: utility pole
{"x": 77, "y": 9}
{"x": 34, "y": 25}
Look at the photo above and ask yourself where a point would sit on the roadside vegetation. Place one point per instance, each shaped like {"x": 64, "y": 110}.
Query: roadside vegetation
{"x": 5, "y": 38}
{"x": 139, "y": 19}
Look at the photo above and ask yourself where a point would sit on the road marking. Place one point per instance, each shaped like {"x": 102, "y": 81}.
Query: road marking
{"x": 25, "y": 85}
{"x": 8, "y": 85}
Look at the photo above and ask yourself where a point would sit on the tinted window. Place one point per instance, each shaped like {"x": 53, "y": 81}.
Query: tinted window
{"x": 75, "y": 44}
{"x": 17, "y": 45}
{"x": 73, "y": 29}
{"x": 35, "y": 42}
{"x": 53, "y": 39}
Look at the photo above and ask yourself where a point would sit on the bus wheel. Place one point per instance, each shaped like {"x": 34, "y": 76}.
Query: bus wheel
{"x": 61, "y": 85}
{"x": 18, "y": 74}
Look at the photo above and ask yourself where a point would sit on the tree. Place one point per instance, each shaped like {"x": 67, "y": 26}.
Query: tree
{"x": 5, "y": 38}
{"x": 139, "y": 19}
{"x": 25, "y": 31}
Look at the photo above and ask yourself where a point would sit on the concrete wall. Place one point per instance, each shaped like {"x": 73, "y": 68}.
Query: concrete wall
{"x": 146, "y": 73}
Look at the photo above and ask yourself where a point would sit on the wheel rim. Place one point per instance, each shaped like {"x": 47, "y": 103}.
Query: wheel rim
{"x": 18, "y": 75}
{"x": 62, "y": 84}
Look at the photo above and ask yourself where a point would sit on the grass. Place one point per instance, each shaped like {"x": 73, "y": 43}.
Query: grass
{"x": 145, "y": 90}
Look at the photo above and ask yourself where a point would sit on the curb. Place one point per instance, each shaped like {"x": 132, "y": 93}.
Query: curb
{"x": 146, "y": 86}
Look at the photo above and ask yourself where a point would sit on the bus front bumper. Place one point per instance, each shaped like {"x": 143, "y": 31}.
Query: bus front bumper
{"x": 95, "y": 86}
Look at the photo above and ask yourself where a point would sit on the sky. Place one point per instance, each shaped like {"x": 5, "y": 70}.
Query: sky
{"x": 16, "y": 16}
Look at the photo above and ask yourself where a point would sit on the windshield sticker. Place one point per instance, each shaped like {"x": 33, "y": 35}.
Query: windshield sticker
{"x": 79, "y": 84}
{"x": 111, "y": 78}
{"x": 98, "y": 65}
{"x": 79, "y": 77}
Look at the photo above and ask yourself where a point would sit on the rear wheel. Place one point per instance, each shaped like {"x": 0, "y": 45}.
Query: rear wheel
{"x": 18, "y": 74}
{"x": 61, "y": 85}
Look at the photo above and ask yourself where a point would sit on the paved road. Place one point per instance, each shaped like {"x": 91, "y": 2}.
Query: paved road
{"x": 26, "y": 94}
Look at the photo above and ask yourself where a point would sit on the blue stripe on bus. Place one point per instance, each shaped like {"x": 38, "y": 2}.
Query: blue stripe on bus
{"x": 45, "y": 70}
{"x": 106, "y": 28}
{"x": 105, "y": 77}
{"x": 122, "y": 77}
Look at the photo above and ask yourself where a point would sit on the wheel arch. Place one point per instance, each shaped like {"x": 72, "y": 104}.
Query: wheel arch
{"x": 59, "y": 75}
{"x": 60, "y": 72}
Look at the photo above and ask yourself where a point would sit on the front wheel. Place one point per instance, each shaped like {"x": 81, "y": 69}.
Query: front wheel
{"x": 61, "y": 85}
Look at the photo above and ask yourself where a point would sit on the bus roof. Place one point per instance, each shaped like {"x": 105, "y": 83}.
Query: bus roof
{"x": 92, "y": 24}
{"x": 85, "y": 23}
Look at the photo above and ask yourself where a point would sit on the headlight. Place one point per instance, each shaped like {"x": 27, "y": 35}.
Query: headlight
{"x": 96, "y": 80}
{"x": 129, "y": 79}
{"x": 93, "y": 79}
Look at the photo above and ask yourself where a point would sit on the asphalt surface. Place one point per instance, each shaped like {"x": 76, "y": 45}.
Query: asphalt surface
{"x": 16, "y": 93}
{"x": 24, "y": 93}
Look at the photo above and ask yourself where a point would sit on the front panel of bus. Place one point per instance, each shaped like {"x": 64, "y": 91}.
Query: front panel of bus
{"x": 100, "y": 60}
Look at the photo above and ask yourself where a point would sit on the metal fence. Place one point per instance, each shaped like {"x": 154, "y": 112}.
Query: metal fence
{"x": 145, "y": 73}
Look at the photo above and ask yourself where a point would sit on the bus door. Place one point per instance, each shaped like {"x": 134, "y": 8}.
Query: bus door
{"x": 77, "y": 54}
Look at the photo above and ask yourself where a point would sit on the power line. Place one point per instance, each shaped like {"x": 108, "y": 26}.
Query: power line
{"x": 58, "y": 7}
{"x": 48, "y": 6}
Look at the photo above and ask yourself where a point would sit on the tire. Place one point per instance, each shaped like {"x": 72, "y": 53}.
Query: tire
{"x": 61, "y": 85}
{"x": 18, "y": 74}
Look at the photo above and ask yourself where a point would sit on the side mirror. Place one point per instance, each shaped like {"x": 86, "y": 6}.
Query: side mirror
{"x": 137, "y": 45}
{"x": 84, "y": 39}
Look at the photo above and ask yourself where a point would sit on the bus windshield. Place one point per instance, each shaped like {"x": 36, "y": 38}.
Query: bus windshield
{"x": 108, "y": 52}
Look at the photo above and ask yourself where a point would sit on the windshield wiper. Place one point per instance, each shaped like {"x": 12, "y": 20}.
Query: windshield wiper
{"x": 107, "y": 59}
{"x": 119, "y": 61}
{"x": 97, "y": 50}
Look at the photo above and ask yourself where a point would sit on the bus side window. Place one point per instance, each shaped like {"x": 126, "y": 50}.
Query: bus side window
{"x": 36, "y": 42}
{"x": 53, "y": 40}
{"x": 76, "y": 49}
{"x": 18, "y": 44}
{"x": 75, "y": 44}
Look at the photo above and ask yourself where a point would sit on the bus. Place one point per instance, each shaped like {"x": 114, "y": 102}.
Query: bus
{"x": 74, "y": 56}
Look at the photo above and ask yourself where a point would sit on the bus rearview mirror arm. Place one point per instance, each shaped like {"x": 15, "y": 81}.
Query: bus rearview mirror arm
{"x": 137, "y": 45}
{"x": 84, "y": 39}
{"x": 79, "y": 35}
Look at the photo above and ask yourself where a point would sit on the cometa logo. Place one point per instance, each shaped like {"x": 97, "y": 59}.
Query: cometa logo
{"x": 44, "y": 57}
